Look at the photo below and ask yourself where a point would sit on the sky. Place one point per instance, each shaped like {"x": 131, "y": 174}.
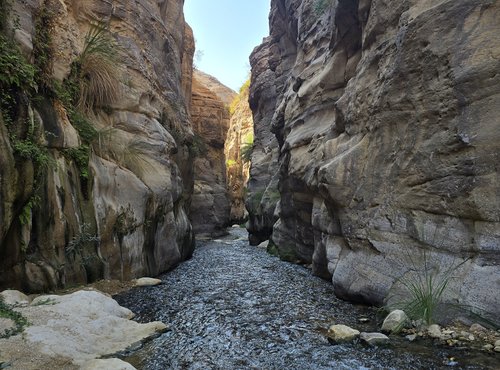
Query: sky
{"x": 226, "y": 32}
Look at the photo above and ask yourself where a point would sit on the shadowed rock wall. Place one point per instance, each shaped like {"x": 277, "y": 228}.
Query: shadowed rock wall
{"x": 386, "y": 115}
{"x": 125, "y": 213}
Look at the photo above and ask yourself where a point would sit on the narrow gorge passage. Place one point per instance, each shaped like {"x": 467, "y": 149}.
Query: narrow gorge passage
{"x": 233, "y": 306}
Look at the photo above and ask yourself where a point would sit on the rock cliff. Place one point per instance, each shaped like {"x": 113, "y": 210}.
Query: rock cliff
{"x": 386, "y": 114}
{"x": 95, "y": 141}
{"x": 239, "y": 139}
{"x": 210, "y": 207}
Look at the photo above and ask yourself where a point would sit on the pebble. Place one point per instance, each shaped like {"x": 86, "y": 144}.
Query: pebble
{"x": 411, "y": 337}
{"x": 488, "y": 347}
{"x": 434, "y": 331}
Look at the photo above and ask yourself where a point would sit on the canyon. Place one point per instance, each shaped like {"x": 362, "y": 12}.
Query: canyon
{"x": 365, "y": 147}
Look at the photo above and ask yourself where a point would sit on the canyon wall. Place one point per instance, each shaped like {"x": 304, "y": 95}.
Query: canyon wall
{"x": 99, "y": 189}
{"x": 210, "y": 208}
{"x": 239, "y": 139}
{"x": 383, "y": 119}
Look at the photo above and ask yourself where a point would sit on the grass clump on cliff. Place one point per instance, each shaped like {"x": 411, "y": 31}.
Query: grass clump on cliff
{"x": 243, "y": 93}
{"x": 96, "y": 70}
{"x": 423, "y": 287}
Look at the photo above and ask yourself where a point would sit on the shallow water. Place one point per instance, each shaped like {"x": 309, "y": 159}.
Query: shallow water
{"x": 233, "y": 306}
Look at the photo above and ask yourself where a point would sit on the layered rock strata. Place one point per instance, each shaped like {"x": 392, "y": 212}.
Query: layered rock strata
{"x": 113, "y": 203}
{"x": 210, "y": 208}
{"x": 386, "y": 115}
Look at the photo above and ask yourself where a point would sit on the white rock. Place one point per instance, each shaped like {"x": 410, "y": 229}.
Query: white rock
{"x": 477, "y": 328}
{"x": 488, "y": 347}
{"x": 264, "y": 244}
{"x": 411, "y": 337}
{"x": 395, "y": 321}
{"x": 15, "y": 298}
{"x": 83, "y": 326}
{"x": 374, "y": 339}
{"x": 235, "y": 226}
{"x": 434, "y": 331}
{"x": 146, "y": 281}
{"x": 497, "y": 343}
{"x": 107, "y": 364}
{"x": 342, "y": 333}
{"x": 497, "y": 349}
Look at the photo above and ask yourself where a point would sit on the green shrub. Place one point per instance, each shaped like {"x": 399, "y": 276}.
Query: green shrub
{"x": 198, "y": 147}
{"x": 20, "y": 321}
{"x": 230, "y": 163}
{"x": 43, "y": 51}
{"x": 237, "y": 99}
{"x": 17, "y": 77}
{"x": 246, "y": 148}
{"x": 81, "y": 156}
{"x": 30, "y": 150}
{"x": 25, "y": 215}
{"x": 85, "y": 129}
{"x": 321, "y": 5}
{"x": 85, "y": 237}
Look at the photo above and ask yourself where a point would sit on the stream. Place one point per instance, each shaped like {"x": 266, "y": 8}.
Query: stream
{"x": 233, "y": 306}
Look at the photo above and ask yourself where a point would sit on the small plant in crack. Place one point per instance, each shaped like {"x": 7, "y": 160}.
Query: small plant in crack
{"x": 85, "y": 237}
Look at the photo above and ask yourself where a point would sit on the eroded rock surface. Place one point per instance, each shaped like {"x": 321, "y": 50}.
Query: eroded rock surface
{"x": 386, "y": 115}
{"x": 77, "y": 327}
{"x": 124, "y": 213}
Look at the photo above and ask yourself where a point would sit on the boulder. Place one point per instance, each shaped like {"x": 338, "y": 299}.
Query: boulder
{"x": 395, "y": 321}
{"x": 14, "y": 298}
{"x": 83, "y": 326}
{"x": 108, "y": 364}
{"x": 342, "y": 334}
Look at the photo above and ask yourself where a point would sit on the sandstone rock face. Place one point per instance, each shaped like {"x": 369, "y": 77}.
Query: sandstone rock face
{"x": 387, "y": 123}
{"x": 267, "y": 84}
{"x": 239, "y": 135}
{"x": 210, "y": 206}
{"x": 125, "y": 213}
